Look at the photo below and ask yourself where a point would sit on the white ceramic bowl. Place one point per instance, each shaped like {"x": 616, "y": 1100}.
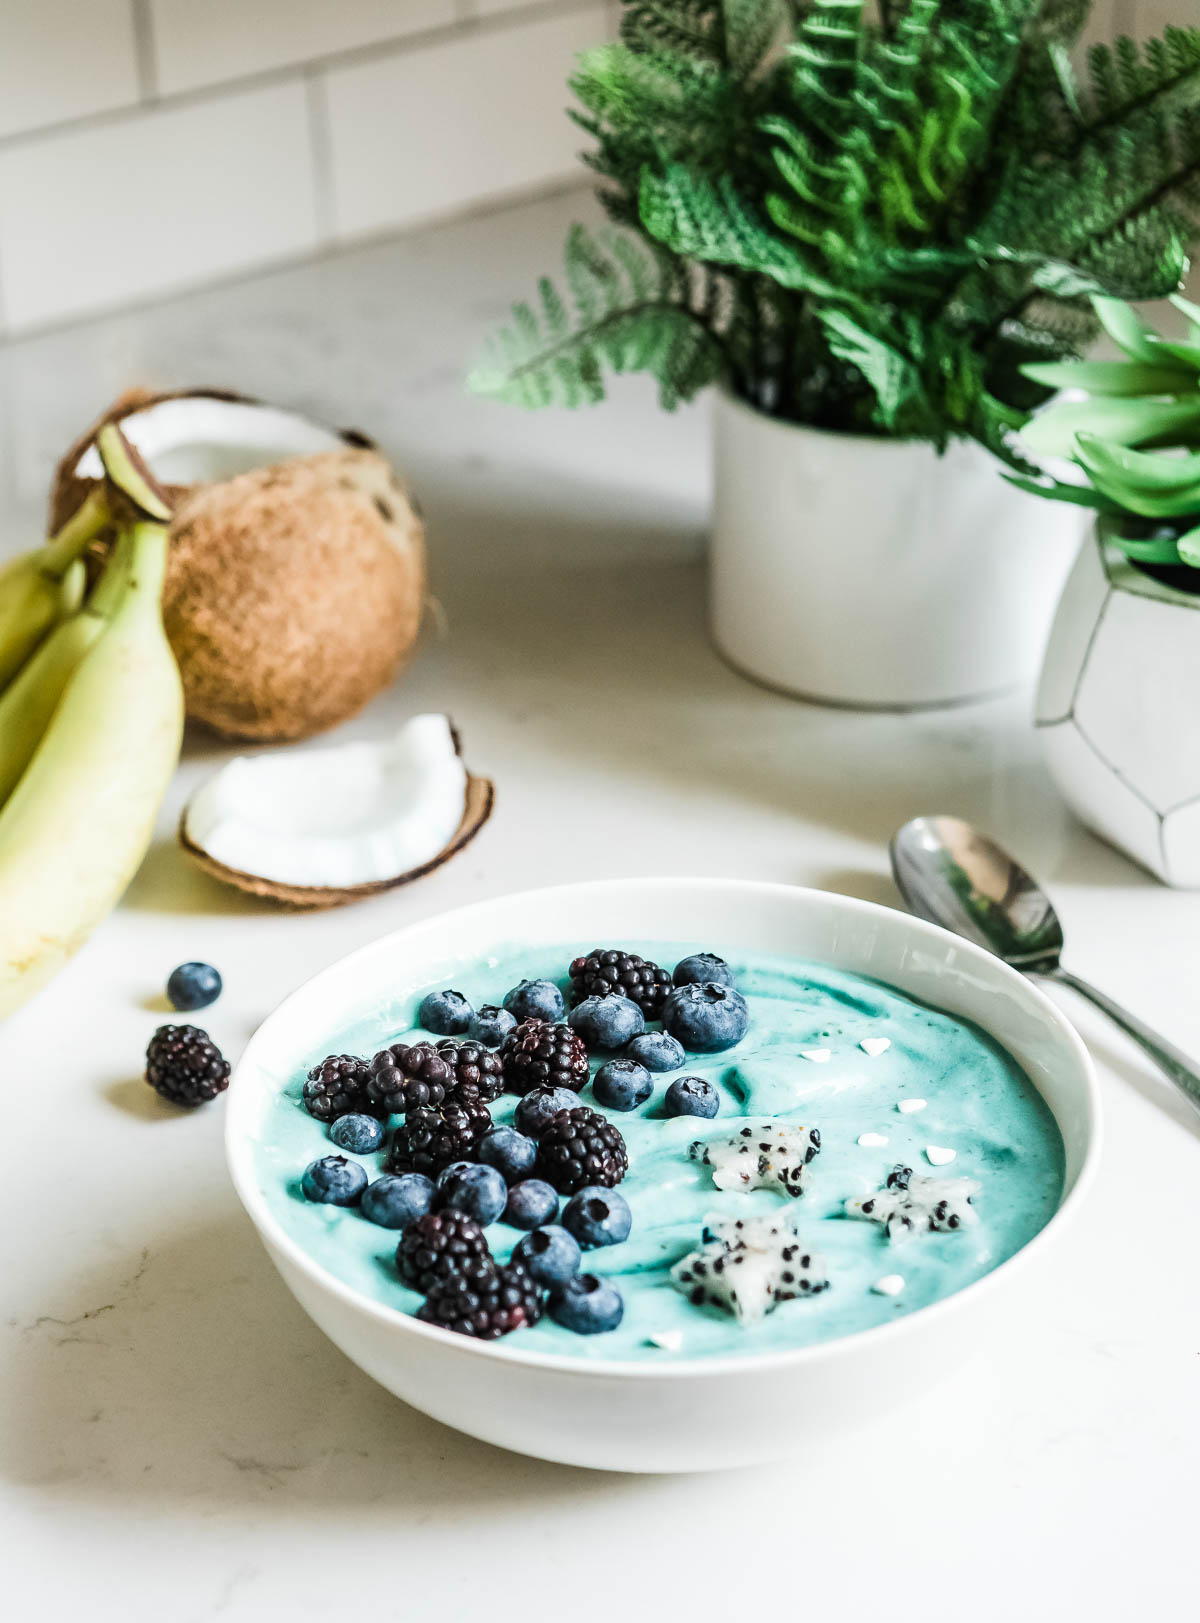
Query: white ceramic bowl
{"x": 684, "y": 1415}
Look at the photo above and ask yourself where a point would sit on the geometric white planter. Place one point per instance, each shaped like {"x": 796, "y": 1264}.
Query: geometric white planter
{"x": 1118, "y": 710}
{"x": 872, "y": 572}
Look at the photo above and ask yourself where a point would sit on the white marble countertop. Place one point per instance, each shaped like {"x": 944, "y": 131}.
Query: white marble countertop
{"x": 179, "y": 1442}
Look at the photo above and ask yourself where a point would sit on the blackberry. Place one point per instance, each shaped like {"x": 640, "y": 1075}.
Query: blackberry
{"x": 473, "y": 1066}
{"x": 184, "y": 1065}
{"x": 442, "y": 1246}
{"x": 408, "y": 1076}
{"x": 509, "y": 1301}
{"x": 580, "y": 1148}
{"x": 338, "y": 1087}
{"x": 606, "y": 971}
{"x": 538, "y": 1055}
{"x": 430, "y": 1139}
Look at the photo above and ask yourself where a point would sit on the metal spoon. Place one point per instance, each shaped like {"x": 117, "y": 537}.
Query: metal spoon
{"x": 954, "y": 876}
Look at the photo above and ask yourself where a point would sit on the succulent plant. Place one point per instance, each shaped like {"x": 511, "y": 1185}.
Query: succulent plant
{"x": 1136, "y": 436}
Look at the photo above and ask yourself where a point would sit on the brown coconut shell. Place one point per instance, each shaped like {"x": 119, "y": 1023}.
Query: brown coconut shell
{"x": 480, "y": 799}
{"x": 293, "y": 593}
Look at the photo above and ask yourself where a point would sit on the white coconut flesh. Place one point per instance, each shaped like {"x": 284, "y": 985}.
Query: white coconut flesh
{"x": 351, "y": 815}
{"x": 197, "y": 439}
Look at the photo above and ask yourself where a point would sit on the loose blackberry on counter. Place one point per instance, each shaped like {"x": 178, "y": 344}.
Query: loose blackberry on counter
{"x": 509, "y": 1301}
{"x": 607, "y": 971}
{"x": 442, "y": 1246}
{"x": 408, "y": 1076}
{"x": 579, "y": 1148}
{"x": 338, "y": 1086}
{"x": 184, "y": 1065}
{"x": 430, "y": 1139}
{"x": 539, "y": 1055}
{"x": 472, "y": 1065}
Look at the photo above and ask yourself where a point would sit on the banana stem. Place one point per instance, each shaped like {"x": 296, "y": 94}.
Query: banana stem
{"x": 90, "y": 518}
{"x": 147, "y": 562}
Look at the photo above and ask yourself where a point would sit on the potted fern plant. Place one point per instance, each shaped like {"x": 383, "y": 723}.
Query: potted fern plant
{"x": 859, "y": 223}
{"x": 1116, "y": 703}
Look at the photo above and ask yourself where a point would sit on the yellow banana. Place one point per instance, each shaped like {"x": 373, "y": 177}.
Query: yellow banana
{"x": 31, "y": 585}
{"x": 30, "y": 699}
{"x": 76, "y": 827}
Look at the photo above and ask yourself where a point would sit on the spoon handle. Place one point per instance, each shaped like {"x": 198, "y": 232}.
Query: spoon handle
{"x": 1171, "y": 1060}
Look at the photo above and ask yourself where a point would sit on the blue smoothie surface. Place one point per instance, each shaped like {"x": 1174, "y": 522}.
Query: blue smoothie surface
{"x": 979, "y": 1103}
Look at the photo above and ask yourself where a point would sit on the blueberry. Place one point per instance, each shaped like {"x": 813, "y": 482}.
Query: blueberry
{"x": 535, "y": 1000}
{"x": 551, "y": 1255}
{"x": 531, "y": 1203}
{"x": 394, "y": 1201}
{"x": 608, "y": 1022}
{"x": 358, "y": 1134}
{"x": 466, "y": 1186}
{"x": 539, "y": 1107}
{"x": 490, "y": 1025}
{"x": 703, "y": 966}
{"x": 193, "y": 986}
{"x": 692, "y": 1096}
{"x": 510, "y": 1152}
{"x": 587, "y": 1305}
{"x": 706, "y": 1017}
{"x": 446, "y": 1014}
{"x": 622, "y": 1084}
{"x": 598, "y": 1216}
{"x": 656, "y": 1050}
{"x": 334, "y": 1181}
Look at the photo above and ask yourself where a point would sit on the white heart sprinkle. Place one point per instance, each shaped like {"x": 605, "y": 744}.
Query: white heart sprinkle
{"x": 889, "y": 1285}
{"x": 819, "y": 1056}
{"x": 875, "y": 1046}
{"x": 872, "y": 1141}
{"x": 668, "y": 1340}
{"x": 937, "y": 1156}
{"x": 907, "y": 1106}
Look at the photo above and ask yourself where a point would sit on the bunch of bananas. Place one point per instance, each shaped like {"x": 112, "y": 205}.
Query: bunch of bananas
{"x": 1136, "y": 436}
{"x": 91, "y": 719}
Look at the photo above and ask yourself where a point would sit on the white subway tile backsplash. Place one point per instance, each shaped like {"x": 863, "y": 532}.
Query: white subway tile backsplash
{"x": 60, "y": 59}
{"x": 434, "y": 129}
{"x": 163, "y": 199}
{"x": 203, "y": 44}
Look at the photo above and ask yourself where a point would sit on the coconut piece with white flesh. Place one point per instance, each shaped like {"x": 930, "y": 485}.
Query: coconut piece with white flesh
{"x": 317, "y": 827}
{"x": 296, "y": 576}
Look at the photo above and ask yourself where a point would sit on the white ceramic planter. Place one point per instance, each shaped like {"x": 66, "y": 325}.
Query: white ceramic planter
{"x": 874, "y": 573}
{"x": 1117, "y": 710}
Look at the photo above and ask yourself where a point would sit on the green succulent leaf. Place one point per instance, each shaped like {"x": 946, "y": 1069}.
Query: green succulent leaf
{"x": 1160, "y": 550}
{"x": 1149, "y": 484}
{"x": 1128, "y": 422}
{"x": 1188, "y": 547}
{"x": 1115, "y": 378}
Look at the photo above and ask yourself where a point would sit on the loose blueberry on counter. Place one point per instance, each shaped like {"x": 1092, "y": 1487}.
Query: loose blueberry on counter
{"x": 549, "y": 1255}
{"x": 692, "y": 1096}
{"x": 656, "y": 1050}
{"x": 531, "y": 1203}
{"x": 607, "y": 1023}
{"x": 587, "y": 1305}
{"x": 467, "y": 1186}
{"x": 703, "y": 966}
{"x": 356, "y": 1133}
{"x": 622, "y": 1084}
{"x": 396, "y": 1200}
{"x": 334, "y": 1181}
{"x": 706, "y": 1017}
{"x": 193, "y": 986}
{"x": 511, "y": 1153}
{"x": 535, "y": 1000}
{"x": 490, "y": 1026}
{"x": 539, "y": 1107}
{"x": 446, "y": 1014}
{"x": 596, "y": 1216}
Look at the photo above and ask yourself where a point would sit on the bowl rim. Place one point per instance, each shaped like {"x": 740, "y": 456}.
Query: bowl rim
{"x": 239, "y": 1158}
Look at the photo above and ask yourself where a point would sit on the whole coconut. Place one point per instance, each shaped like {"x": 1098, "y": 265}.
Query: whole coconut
{"x": 293, "y": 593}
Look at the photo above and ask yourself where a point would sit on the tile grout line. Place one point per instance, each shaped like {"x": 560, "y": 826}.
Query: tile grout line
{"x": 145, "y": 53}
{"x": 321, "y": 153}
{"x": 396, "y": 45}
